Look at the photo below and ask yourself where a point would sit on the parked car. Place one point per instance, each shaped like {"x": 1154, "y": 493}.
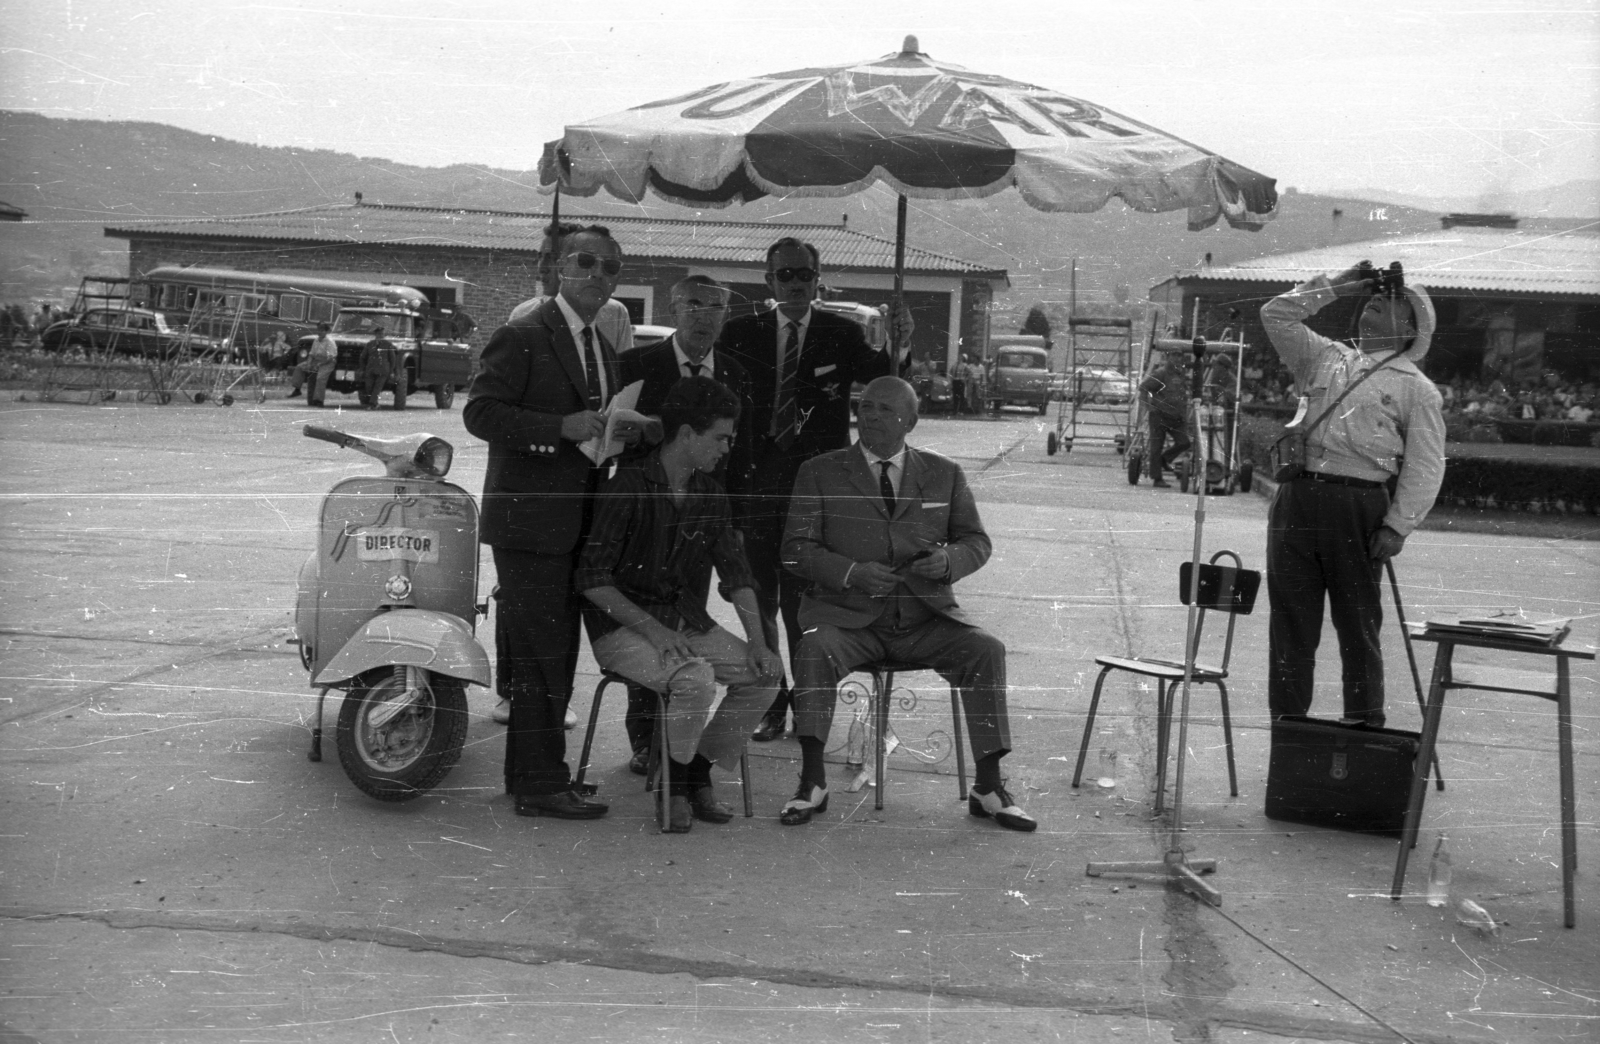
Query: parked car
{"x": 127, "y": 331}
{"x": 1019, "y": 372}
{"x": 649, "y": 333}
{"x": 1095, "y": 384}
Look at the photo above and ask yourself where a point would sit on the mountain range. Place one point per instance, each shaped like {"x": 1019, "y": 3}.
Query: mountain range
{"x": 73, "y": 177}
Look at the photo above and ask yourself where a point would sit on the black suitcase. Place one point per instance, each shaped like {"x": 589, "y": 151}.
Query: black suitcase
{"x": 1348, "y": 777}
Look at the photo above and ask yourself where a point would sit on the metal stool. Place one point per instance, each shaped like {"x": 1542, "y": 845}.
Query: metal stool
{"x": 883, "y": 672}
{"x": 660, "y": 753}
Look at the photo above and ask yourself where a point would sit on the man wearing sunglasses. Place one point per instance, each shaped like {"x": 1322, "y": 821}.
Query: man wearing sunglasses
{"x": 543, "y": 383}
{"x": 613, "y": 319}
{"x": 801, "y": 363}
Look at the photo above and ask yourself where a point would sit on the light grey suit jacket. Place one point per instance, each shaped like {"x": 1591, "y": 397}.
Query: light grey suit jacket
{"x": 837, "y": 518}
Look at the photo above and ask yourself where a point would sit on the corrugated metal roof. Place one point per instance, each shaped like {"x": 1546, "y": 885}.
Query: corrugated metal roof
{"x": 1471, "y": 259}
{"x": 725, "y": 242}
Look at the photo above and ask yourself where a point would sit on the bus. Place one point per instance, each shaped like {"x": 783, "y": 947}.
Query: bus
{"x": 248, "y": 309}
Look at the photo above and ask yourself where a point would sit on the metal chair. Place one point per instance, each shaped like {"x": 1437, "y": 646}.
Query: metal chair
{"x": 1223, "y": 589}
{"x": 879, "y": 696}
{"x": 658, "y": 777}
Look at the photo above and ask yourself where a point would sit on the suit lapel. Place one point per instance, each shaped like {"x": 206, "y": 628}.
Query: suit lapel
{"x": 910, "y": 481}
{"x": 865, "y": 480}
{"x": 566, "y": 349}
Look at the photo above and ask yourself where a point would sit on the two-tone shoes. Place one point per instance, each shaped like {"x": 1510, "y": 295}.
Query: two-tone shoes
{"x": 807, "y": 802}
{"x": 999, "y": 806}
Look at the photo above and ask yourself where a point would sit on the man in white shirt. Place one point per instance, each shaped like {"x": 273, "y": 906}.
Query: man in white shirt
{"x": 317, "y": 367}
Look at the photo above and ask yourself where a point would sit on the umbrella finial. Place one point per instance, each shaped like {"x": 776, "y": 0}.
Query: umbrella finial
{"x": 910, "y": 46}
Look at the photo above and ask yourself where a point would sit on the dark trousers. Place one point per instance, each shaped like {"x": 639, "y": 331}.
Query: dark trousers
{"x": 1317, "y": 537}
{"x": 536, "y": 640}
{"x": 969, "y": 658}
{"x": 777, "y": 591}
{"x": 1161, "y": 426}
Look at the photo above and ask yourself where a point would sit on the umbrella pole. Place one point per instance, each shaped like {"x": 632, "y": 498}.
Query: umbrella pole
{"x": 899, "y": 278}
{"x": 1176, "y": 866}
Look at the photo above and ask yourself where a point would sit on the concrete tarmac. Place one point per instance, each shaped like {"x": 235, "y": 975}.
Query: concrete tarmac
{"x": 173, "y": 868}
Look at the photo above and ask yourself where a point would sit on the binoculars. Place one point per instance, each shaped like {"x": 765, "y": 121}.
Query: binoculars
{"x": 1390, "y": 282}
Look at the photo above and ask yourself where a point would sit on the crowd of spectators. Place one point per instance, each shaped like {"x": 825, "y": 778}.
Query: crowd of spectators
{"x": 1553, "y": 399}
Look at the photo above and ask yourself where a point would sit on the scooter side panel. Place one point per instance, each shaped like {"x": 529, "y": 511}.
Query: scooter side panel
{"x": 387, "y": 543}
{"x": 412, "y": 637}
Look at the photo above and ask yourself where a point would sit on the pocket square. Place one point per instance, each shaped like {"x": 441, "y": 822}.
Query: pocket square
{"x": 820, "y": 370}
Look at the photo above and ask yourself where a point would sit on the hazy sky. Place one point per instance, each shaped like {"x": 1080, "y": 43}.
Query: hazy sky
{"x": 1453, "y": 98}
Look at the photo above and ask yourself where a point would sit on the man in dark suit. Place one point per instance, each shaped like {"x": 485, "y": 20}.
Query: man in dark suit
{"x": 543, "y": 383}
{"x": 880, "y": 531}
{"x": 699, "y": 308}
{"x": 802, "y": 362}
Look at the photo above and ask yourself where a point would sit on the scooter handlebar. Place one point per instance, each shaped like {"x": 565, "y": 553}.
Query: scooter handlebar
{"x": 338, "y": 438}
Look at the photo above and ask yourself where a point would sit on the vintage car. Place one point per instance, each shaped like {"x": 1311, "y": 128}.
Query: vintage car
{"x": 1093, "y": 384}
{"x": 431, "y": 344}
{"x": 125, "y": 330}
{"x": 1019, "y": 372}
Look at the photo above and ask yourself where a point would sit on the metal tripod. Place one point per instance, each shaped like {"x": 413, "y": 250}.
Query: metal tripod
{"x": 1176, "y": 866}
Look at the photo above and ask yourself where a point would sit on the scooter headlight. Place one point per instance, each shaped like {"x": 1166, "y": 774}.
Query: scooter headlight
{"x": 433, "y": 457}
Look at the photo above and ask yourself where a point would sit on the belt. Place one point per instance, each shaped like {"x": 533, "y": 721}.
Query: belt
{"x": 1339, "y": 480}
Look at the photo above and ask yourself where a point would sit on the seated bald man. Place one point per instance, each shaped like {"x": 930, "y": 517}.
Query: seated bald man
{"x": 881, "y": 530}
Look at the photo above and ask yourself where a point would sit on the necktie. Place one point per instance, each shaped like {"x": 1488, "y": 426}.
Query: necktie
{"x": 694, "y": 368}
{"x": 591, "y": 365}
{"x": 783, "y": 414}
{"x": 886, "y": 487}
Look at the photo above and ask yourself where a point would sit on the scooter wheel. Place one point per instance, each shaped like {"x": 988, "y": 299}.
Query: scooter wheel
{"x": 413, "y": 751}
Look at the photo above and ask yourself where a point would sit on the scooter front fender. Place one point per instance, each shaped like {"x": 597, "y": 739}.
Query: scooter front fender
{"x": 434, "y": 641}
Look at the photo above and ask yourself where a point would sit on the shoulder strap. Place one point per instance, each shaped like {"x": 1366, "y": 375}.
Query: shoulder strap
{"x": 1352, "y": 386}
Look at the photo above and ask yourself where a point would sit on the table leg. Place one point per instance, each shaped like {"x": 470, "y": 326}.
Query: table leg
{"x": 1437, "y": 686}
{"x": 1569, "y": 798}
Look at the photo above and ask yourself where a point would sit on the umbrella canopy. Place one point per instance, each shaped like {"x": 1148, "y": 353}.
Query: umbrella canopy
{"x": 930, "y": 130}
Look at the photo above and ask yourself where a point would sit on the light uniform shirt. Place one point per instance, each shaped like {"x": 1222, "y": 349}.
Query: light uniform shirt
{"x": 324, "y": 349}
{"x": 576, "y": 324}
{"x": 1392, "y": 424}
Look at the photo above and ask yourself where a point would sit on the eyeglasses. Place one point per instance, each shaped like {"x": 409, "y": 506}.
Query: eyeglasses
{"x": 585, "y": 260}
{"x": 794, "y": 275}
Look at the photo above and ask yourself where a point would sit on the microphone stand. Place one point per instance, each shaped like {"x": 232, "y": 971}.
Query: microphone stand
{"x": 1176, "y": 866}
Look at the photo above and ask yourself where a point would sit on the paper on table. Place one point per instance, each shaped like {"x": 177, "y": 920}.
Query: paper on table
{"x": 620, "y": 410}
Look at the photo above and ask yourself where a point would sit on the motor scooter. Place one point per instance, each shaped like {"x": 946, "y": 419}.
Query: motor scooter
{"x": 385, "y": 609}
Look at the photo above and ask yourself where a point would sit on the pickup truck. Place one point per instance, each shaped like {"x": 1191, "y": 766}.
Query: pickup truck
{"x": 431, "y": 345}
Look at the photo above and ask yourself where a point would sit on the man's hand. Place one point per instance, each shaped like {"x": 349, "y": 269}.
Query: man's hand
{"x": 875, "y": 578}
{"x": 629, "y": 432}
{"x": 1384, "y": 544}
{"x": 934, "y": 567}
{"x": 1349, "y": 282}
{"x": 763, "y": 660}
{"x": 582, "y": 426}
{"x": 672, "y": 646}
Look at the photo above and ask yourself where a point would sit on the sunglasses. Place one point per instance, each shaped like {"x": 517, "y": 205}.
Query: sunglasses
{"x": 794, "y": 275}
{"x": 585, "y": 260}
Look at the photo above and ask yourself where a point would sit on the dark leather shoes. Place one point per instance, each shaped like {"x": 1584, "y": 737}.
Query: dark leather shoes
{"x": 771, "y": 728}
{"x": 679, "y": 816}
{"x": 639, "y": 764}
{"x": 704, "y": 804}
{"x": 568, "y": 804}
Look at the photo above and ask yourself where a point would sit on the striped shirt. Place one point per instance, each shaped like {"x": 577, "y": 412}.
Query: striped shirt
{"x": 653, "y": 550}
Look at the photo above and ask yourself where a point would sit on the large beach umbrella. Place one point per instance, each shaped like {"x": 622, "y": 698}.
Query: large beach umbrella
{"x": 928, "y": 129}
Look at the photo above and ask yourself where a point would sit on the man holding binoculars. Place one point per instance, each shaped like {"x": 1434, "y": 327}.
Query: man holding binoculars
{"x": 1372, "y": 465}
